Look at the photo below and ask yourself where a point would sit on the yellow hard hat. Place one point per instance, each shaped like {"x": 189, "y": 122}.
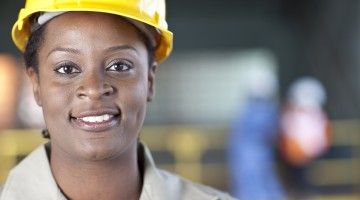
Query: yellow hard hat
{"x": 151, "y": 12}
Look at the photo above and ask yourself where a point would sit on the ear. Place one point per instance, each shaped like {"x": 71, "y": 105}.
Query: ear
{"x": 34, "y": 77}
{"x": 151, "y": 81}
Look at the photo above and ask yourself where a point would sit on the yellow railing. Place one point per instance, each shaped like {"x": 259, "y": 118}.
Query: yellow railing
{"x": 186, "y": 147}
{"x": 340, "y": 171}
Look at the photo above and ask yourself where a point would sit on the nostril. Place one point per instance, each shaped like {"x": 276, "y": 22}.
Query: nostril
{"x": 81, "y": 95}
{"x": 108, "y": 93}
{"x": 80, "y": 92}
{"x": 108, "y": 90}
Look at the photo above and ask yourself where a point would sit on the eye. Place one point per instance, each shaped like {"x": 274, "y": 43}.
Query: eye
{"x": 120, "y": 66}
{"x": 67, "y": 69}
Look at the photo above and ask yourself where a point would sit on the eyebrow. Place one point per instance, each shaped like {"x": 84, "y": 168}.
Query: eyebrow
{"x": 69, "y": 50}
{"x": 121, "y": 47}
{"x": 110, "y": 49}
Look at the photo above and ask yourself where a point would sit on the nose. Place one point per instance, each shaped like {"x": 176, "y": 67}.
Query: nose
{"x": 94, "y": 87}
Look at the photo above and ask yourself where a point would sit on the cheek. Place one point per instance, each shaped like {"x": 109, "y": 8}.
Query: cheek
{"x": 55, "y": 100}
{"x": 134, "y": 105}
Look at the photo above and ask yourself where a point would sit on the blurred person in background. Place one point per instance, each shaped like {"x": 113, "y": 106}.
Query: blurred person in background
{"x": 305, "y": 128}
{"x": 254, "y": 133}
{"x": 9, "y": 85}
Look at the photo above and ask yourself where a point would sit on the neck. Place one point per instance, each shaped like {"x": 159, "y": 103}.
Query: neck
{"x": 117, "y": 178}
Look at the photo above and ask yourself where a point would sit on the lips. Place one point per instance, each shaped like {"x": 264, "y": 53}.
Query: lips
{"x": 96, "y": 120}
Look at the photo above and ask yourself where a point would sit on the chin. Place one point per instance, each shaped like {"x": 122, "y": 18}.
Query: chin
{"x": 101, "y": 150}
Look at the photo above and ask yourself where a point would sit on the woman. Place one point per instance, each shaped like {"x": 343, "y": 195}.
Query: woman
{"x": 92, "y": 65}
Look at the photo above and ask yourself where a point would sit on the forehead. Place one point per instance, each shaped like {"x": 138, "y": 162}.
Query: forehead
{"x": 90, "y": 29}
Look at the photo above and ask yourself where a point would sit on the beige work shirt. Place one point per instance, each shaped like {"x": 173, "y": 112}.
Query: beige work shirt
{"x": 32, "y": 180}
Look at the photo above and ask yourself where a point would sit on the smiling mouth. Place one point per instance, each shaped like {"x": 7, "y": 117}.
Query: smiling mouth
{"x": 96, "y": 123}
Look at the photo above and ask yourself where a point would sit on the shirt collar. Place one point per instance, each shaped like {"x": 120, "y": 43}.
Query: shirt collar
{"x": 34, "y": 179}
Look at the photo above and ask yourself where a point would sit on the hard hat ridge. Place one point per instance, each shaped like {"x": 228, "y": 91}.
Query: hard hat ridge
{"x": 149, "y": 31}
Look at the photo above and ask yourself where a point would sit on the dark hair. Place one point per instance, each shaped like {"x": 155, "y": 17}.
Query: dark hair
{"x": 37, "y": 38}
{"x": 32, "y": 47}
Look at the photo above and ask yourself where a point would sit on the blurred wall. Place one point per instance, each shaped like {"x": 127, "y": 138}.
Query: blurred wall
{"x": 318, "y": 38}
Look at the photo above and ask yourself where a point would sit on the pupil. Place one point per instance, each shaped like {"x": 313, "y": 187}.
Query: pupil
{"x": 67, "y": 69}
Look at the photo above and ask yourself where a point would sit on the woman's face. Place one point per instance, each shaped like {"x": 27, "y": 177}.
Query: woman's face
{"x": 93, "y": 84}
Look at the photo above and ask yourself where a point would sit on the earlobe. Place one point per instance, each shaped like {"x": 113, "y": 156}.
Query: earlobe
{"x": 34, "y": 77}
{"x": 151, "y": 81}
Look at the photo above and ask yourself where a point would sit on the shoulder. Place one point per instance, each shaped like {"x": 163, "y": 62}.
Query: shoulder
{"x": 192, "y": 190}
{"x": 25, "y": 179}
{"x": 162, "y": 185}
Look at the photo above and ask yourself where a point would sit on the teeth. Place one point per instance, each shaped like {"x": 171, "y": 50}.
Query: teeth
{"x": 93, "y": 119}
